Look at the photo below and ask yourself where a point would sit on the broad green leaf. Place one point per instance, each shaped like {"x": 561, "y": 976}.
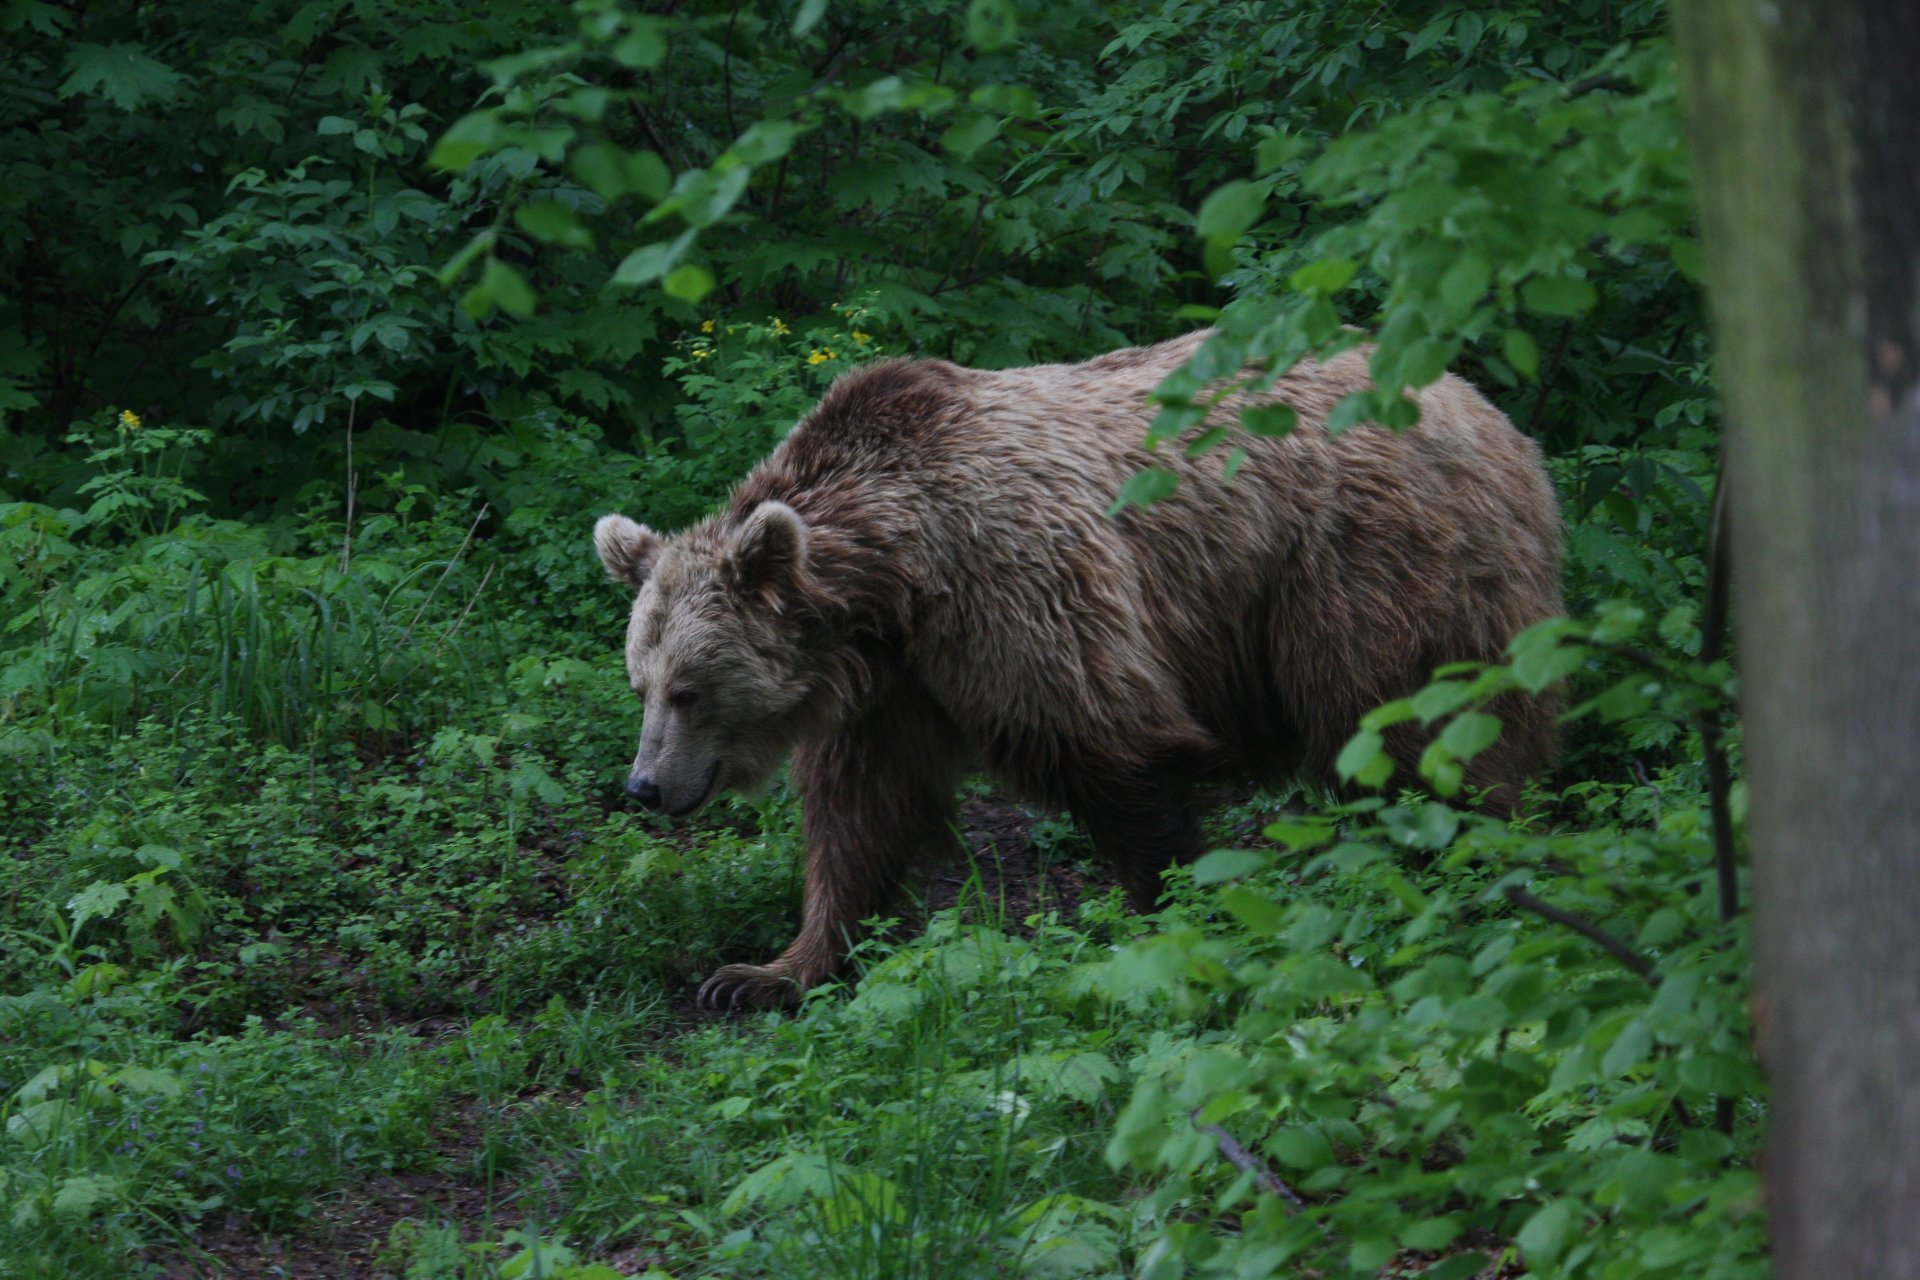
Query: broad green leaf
{"x": 1228, "y": 864}
{"x": 1543, "y": 1237}
{"x": 507, "y": 288}
{"x": 1470, "y": 733}
{"x": 1360, "y": 758}
{"x": 992, "y": 24}
{"x": 1230, "y": 210}
{"x": 1629, "y": 1049}
{"x": 79, "y": 1196}
{"x": 764, "y": 142}
{"x": 968, "y": 135}
{"x": 643, "y": 46}
{"x": 1254, "y": 909}
{"x": 554, "y": 223}
{"x": 1277, "y": 150}
{"x": 1431, "y": 1234}
{"x": 650, "y": 262}
{"x": 1465, "y": 283}
{"x": 1144, "y": 488}
{"x": 689, "y": 283}
{"x": 1521, "y": 353}
{"x": 121, "y": 73}
{"x": 471, "y": 136}
{"x": 811, "y": 11}
{"x": 1558, "y": 296}
{"x": 1300, "y": 1148}
{"x": 1325, "y": 277}
{"x": 1270, "y": 419}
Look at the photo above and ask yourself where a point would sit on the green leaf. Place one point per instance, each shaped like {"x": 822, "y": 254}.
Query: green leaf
{"x": 1430, "y": 1235}
{"x": 1278, "y": 149}
{"x": 79, "y": 1196}
{"x": 460, "y": 261}
{"x": 1270, "y": 419}
{"x": 1440, "y": 698}
{"x": 122, "y": 73}
{"x": 508, "y": 288}
{"x": 1629, "y": 1049}
{"x": 1470, "y": 733}
{"x": 1300, "y": 1148}
{"x": 1521, "y": 353}
{"x": 1558, "y": 296}
{"x": 643, "y": 46}
{"x": 1144, "y": 488}
{"x": 1369, "y": 1253}
{"x": 1014, "y": 100}
{"x": 764, "y": 142}
{"x": 649, "y": 262}
{"x": 1465, "y": 283}
{"x": 1256, "y": 910}
{"x": 1228, "y": 864}
{"x": 1360, "y": 758}
{"x": 811, "y": 11}
{"x": 1325, "y": 277}
{"x": 98, "y": 900}
{"x": 648, "y": 176}
{"x": 688, "y": 283}
{"x": 554, "y": 223}
{"x": 602, "y": 169}
{"x": 968, "y": 135}
{"x": 1230, "y": 210}
{"x": 334, "y": 124}
{"x": 1544, "y": 1236}
{"x": 992, "y": 24}
{"x": 472, "y": 136}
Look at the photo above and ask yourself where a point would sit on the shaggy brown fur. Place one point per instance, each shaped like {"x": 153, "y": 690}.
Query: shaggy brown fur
{"x": 922, "y": 579}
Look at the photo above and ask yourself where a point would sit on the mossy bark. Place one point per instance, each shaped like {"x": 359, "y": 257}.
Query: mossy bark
{"x": 1804, "y": 117}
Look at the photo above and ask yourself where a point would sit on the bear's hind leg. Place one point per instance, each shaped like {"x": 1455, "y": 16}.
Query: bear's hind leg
{"x": 877, "y": 797}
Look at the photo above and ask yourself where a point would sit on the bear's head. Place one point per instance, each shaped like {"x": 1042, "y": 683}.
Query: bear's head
{"x": 715, "y": 649}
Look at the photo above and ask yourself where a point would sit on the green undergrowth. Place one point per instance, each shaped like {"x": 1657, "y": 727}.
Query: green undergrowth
{"x": 317, "y": 872}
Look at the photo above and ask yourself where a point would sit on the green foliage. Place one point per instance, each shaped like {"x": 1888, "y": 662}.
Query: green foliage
{"x": 325, "y": 333}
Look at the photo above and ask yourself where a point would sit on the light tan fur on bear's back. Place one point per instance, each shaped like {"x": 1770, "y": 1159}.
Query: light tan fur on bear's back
{"x": 1339, "y": 568}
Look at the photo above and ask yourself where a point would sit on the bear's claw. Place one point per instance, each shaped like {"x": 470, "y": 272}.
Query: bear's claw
{"x": 739, "y": 986}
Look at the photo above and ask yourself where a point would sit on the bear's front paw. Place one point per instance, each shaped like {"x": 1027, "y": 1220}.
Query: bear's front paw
{"x": 739, "y": 986}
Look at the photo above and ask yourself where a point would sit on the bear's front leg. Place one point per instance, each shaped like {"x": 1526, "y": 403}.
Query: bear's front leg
{"x": 877, "y": 798}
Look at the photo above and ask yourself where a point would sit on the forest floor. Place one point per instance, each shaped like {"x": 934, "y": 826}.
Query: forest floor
{"x": 347, "y": 1235}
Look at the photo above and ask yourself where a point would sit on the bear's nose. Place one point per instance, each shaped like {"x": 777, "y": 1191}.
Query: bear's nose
{"x": 643, "y": 790}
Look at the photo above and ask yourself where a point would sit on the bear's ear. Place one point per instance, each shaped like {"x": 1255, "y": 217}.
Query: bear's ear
{"x": 771, "y": 546}
{"x": 627, "y": 548}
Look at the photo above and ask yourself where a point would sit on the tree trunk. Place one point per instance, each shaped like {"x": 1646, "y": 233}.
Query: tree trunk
{"x": 1804, "y": 117}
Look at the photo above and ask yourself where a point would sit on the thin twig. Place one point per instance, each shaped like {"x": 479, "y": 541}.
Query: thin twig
{"x": 1245, "y": 1161}
{"x": 1586, "y": 928}
{"x": 442, "y": 579}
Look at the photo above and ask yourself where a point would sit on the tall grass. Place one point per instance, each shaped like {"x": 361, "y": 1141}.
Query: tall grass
{"x": 294, "y": 649}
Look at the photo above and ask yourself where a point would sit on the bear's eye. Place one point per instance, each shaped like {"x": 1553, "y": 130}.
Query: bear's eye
{"x": 683, "y": 698}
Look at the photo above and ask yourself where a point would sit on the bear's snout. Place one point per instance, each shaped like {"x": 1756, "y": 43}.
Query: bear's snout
{"x": 644, "y": 790}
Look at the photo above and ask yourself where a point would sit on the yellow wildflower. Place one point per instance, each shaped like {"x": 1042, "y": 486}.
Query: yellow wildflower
{"x": 780, "y": 326}
{"x": 129, "y": 420}
{"x": 706, "y": 326}
{"x": 820, "y": 355}
{"x": 862, "y": 337}
{"x": 701, "y": 353}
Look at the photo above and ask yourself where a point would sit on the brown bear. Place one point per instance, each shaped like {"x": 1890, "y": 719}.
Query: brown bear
{"x": 922, "y": 579}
